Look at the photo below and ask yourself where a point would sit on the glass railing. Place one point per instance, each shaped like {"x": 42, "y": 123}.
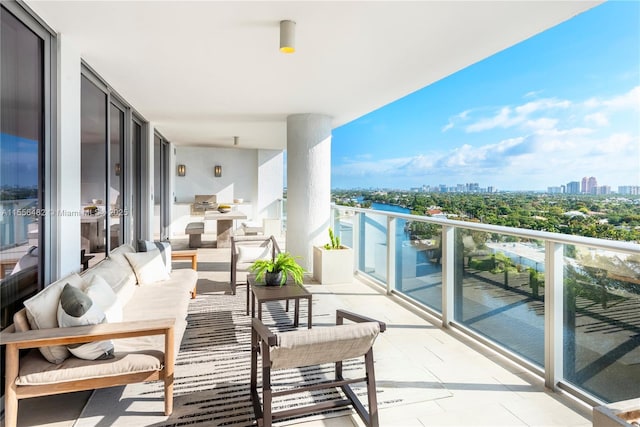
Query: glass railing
{"x": 565, "y": 306}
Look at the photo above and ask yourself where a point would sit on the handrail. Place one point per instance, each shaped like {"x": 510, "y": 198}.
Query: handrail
{"x": 615, "y": 245}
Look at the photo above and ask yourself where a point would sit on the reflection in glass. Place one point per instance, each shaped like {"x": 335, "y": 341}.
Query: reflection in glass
{"x": 418, "y": 262}
{"x": 94, "y": 203}
{"x": 602, "y": 322}
{"x": 499, "y": 290}
{"x": 21, "y": 145}
{"x": 116, "y": 177}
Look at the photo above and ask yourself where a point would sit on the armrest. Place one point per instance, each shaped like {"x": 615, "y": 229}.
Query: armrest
{"x": 82, "y": 334}
{"x": 265, "y": 334}
{"x": 344, "y": 314}
{"x": 182, "y": 254}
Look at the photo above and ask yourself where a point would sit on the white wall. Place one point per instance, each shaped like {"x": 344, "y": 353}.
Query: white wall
{"x": 239, "y": 173}
{"x": 270, "y": 183}
{"x": 67, "y": 243}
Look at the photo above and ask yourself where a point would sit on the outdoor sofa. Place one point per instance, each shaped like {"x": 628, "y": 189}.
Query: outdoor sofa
{"x": 150, "y": 311}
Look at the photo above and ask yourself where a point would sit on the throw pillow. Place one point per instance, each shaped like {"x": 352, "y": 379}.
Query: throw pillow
{"x": 77, "y": 309}
{"x": 163, "y": 247}
{"x": 253, "y": 253}
{"x": 148, "y": 267}
{"x": 42, "y": 311}
{"x": 101, "y": 293}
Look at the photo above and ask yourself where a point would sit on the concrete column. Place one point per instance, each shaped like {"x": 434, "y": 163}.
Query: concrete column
{"x": 308, "y": 184}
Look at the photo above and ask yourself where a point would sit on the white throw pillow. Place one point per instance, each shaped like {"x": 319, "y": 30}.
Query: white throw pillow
{"x": 148, "y": 267}
{"x": 163, "y": 247}
{"x": 77, "y": 309}
{"x": 42, "y": 309}
{"x": 101, "y": 293}
{"x": 253, "y": 253}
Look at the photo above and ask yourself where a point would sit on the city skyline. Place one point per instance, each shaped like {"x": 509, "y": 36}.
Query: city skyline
{"x": 559, "y": 106}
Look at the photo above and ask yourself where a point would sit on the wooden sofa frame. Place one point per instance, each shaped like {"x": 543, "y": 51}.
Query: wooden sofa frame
{"x": 16, "y": 341}
{"x": 33, "y": 339}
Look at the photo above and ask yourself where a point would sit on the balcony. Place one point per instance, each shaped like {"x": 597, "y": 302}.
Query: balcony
{"x": 484, "y": 321}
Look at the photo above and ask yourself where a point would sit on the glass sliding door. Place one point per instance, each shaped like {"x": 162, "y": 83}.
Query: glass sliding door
{"x": 135, "y": 210}
{"x": 22, "y": 145}
{"x": 93, "y": 152}
{"x": 161, "y": 202}
{"x": 116, "y": 176}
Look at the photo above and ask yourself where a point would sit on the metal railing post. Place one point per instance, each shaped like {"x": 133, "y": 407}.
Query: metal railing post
{"x": 553, "y": 309}
{"x": 358, "y": 218}
{"x": 391, "y": 253}
{"x": 448, "y": 274}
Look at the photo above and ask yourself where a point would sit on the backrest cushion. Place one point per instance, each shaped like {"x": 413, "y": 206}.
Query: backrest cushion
{"x": 148, "y": 267}
{"x": 101, "y": 293}
{"x": 77, "y": 309}
{"x": 253, "y": 253}
{"x": 163, "y": 247}
{"x": 323, "y": 345}
{"x": 42, "y": 309}
{"x": 122, "y": 279}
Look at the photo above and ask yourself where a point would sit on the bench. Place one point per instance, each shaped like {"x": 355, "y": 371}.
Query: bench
{"x": 195, "y": 231}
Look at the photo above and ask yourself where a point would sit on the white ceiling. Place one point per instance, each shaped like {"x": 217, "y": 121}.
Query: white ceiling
{"x": 204, "y": 71}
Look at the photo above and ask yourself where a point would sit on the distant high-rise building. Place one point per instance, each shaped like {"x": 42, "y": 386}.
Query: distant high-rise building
{"x": 583, "y": 187}
{"x": 592, "y": 185}
{"x": 603, "y": 189}
{"x": 554, "y": 190}
{"x": 632, "y": 190}
{"x": 573, "y": 187}
{"x": 490, "y": 189}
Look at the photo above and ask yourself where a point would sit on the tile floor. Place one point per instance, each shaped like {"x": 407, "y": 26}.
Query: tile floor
{"x": 485, "y": 389}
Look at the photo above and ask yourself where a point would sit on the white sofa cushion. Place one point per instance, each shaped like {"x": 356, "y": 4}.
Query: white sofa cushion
{"x": 121, "y": 278}
{"x": 148, "y": 267}
{"x": 42, "y": 310}
{"x": 102, "y": 294}
{"x": 163, "y": 247}
{"x": 77, "y": 309}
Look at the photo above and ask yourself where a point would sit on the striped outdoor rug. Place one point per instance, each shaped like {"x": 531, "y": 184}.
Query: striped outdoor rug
{"x": 213, "y": 366}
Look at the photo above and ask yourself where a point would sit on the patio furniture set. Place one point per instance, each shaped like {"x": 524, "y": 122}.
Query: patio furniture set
{"x": 136, "y": 299}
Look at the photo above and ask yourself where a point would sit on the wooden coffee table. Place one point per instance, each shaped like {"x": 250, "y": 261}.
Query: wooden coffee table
{"x": 263, "y": 293}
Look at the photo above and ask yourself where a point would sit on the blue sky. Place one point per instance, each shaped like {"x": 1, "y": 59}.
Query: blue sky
{"x": 552, "y": 109}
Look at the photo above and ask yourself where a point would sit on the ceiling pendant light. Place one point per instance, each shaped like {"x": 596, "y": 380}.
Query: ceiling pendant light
{"x": 287, "y": 36}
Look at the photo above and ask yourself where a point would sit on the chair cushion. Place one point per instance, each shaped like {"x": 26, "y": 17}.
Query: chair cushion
{"x": 309, "y": 347}
{"x": 148, "y": 267}
{"x": 253, "y": 253}
{"x": 77, "y": 309}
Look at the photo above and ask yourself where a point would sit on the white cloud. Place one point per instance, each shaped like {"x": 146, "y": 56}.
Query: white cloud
{"x": 508, "y": 116}
{"x": 455, "y": 119}
{"x": 626, "y": 101}
{"x": 598, "y": 119}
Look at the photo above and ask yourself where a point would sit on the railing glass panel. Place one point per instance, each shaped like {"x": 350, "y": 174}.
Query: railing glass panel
{"x": 499, "y": 290}
{"x": 602, "y": 322}
{"x": 373, "y": 246}
{"x": 418, "y": 262}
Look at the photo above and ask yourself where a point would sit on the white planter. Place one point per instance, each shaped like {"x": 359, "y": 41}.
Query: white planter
{"x": 332, "y": 266}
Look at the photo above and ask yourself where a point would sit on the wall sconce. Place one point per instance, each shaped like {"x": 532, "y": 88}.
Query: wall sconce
{"x": 182, "y": 170}
{"x": 287, "y": 36}
{"x": 117, "y": 169}
{"x": 217, "y": 171}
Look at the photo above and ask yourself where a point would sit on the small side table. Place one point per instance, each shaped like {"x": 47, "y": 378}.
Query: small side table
{"x": 291, "y": 290}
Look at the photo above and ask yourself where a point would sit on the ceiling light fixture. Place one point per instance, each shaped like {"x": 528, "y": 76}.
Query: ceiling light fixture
{"x": 236, "y": 140}
{"x": 287, "y": 36}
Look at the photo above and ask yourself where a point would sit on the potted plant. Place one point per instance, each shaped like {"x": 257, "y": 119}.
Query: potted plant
{"x": 275, "y": 271}
{"x": 333, "y": 262}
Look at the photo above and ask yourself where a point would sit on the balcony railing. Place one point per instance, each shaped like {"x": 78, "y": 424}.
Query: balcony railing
{"x": 568, "y": 307}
